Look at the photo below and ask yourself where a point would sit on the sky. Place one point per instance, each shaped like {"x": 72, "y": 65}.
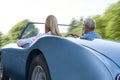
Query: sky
{"x": 14, "y": 11}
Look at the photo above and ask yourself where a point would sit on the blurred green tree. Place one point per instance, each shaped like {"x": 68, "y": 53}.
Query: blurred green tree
{"x": 75, "y": 27}
{"x": 100, "y": 25}
{"x": 13, "y": 34}
{"x": 112, "y": 16}
{"x": 73, "y": 24}
{"x": 0, "y": 39}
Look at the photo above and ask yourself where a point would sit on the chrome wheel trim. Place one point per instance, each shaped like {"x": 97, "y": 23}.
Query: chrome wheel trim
{"x": 38, "y": 73}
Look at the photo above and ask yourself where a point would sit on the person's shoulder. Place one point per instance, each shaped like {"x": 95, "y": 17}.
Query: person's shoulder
{"x": 91, "y": 35}
{"x": 99, "y": 36}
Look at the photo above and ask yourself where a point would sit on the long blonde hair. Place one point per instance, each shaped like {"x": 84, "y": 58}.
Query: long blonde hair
{"x": 51, "y": 24}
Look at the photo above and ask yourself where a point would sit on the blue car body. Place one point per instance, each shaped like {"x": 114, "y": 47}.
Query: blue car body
{"x": 67, "y": 58}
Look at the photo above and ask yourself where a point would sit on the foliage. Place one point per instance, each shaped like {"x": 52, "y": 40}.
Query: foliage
{"x": 75, "y": 27}
{"x": 16, "y": 29}
{"x": 73, "y": 24}
{"x": 77, "y": 31}
{"x": 0, "y": 39}
{"x": 113, "y": 24}
{"x": 100, "y": 25}
{"x": 14, "y": 33}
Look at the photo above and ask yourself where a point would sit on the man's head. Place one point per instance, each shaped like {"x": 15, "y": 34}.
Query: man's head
{"x": 89, "y": 25}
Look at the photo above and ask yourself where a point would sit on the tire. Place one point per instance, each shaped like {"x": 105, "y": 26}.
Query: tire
{"x": 4, "y": 77}
{"x": 2, "y": 74}
{"x": 38, "y": 69}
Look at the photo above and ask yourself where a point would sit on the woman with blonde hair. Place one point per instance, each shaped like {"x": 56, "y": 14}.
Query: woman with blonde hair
{"x": 51, "y": 28}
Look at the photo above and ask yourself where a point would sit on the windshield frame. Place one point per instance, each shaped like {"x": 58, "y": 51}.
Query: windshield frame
{"x": 27, "y": 25}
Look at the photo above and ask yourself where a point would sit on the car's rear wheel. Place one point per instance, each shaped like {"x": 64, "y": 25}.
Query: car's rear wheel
{"x": 38, "y": 69}
{"x": 4, "y": 77}
{"x": 2, "y": 74}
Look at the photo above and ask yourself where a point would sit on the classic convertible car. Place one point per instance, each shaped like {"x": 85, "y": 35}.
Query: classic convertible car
{"x": 60, "y": 58}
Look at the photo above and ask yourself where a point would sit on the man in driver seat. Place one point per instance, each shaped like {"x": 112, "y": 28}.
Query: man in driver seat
{"x": 88, "y": 30}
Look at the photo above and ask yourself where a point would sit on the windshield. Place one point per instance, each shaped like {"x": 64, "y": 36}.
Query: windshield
{"x": 33, "y": 29}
